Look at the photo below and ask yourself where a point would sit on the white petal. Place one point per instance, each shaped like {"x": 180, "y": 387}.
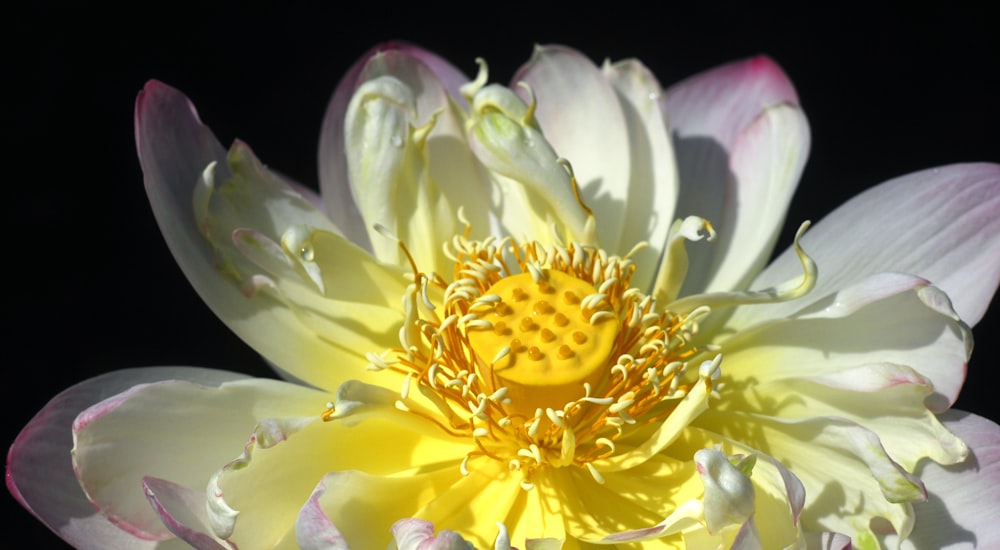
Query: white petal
{"x": 387, "y": 161}
{"x": 891, "y": 319}
{"x": 581, "y": 116}
{"x": 653, "y": 185}
{"x": 739, "y": 156}
{"x": 533, "y": 190}
{"x": 729, "y": 494}
{"x": 941, "y": 224}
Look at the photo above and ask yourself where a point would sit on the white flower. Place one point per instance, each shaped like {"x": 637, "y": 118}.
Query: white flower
{"x": 671, "y": 393}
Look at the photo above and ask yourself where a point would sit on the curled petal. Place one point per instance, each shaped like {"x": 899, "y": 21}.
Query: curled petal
{"x": 415, "y": 534}
{"x": 534, "y": 189}
{"x": 387, "y": 162}
{"x": 729, "y": 494}
{"x": 313, "y": 529}
{"x": 834, "y": 335}
{"x": 182, "y": 511}
{"x": 179, "y": 154}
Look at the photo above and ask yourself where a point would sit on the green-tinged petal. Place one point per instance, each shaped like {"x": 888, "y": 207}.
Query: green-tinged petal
{"x": 729, "y": 494}
{"x": 533, "y": 190}
{"x": 172, "y": 430}
{"x": 453, "y": 167}
{"x": 836, "y": 333}
{"x": 414, "y": 61}
{"x": 387, "y": 161}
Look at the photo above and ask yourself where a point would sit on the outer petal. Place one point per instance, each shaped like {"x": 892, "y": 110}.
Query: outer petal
{"x": 581, "y": 116}
{"x": 172, "y": 430}
{"x": 963, "y": 500}
{"x": 941, "y": 224}
{"x": 39, "y": 468}
{"x": 739, "y": 136}
{"x": 174, "y": 150}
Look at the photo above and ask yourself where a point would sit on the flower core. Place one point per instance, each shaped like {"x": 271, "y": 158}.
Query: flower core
{"x": 544, "y": 355}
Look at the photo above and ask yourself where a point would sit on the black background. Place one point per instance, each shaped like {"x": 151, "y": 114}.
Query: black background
{"x": 92, "y": 287}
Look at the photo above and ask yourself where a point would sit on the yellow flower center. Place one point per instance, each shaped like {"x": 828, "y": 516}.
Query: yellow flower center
{"x": 547, "y": 337}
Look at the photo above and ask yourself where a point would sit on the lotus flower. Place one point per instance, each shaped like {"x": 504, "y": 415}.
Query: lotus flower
{"x": 537, "y": 316}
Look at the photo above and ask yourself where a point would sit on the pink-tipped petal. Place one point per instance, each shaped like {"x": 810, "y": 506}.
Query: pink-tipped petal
{"x": 182, "y": 511}
{"x": 174, "y": 430}
{"x": 175, "y": 150}
{"x": 40, "y": 471}
{"x": 941, "y": 224}
{"x": 741, "y": 142}
{"x": 721, "y": 102}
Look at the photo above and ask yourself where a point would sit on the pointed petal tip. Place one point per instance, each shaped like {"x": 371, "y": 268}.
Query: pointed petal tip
{"x": 764, "y": 68}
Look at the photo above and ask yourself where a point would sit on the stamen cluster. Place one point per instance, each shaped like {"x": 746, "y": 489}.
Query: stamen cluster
{"x": 537, "y": 419}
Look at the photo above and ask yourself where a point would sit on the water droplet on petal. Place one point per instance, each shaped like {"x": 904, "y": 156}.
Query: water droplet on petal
{"x": 307, "y": 253}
